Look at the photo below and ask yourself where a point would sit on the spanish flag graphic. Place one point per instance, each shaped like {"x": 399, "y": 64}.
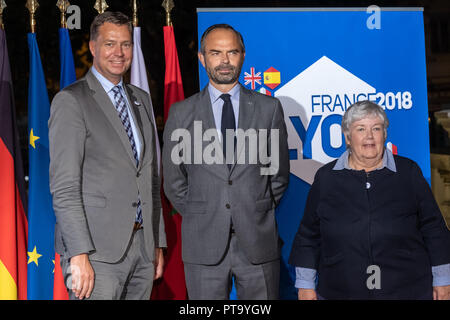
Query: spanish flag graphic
{"x": 272, "y": 78}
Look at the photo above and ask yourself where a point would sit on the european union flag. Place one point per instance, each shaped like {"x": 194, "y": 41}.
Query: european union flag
{"x": 67, "y": 75}
{"x": 41, "y": 218}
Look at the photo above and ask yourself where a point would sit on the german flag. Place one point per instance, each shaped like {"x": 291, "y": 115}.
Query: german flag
{"x": 13, "y": 206}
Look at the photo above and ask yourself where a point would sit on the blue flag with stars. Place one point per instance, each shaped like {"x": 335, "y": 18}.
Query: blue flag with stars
{"x": 41, "y": 218}
{"x": 67, "y": 75}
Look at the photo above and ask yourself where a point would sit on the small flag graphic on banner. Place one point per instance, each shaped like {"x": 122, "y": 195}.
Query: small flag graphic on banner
{"x": 252, "y": 78}
{"x": 392, "y": 147}
{"x": 264, "y": 91}
{"x": 272, "y": 78}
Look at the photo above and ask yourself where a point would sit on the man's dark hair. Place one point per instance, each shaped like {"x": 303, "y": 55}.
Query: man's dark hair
{"x": 220, "y": 26}
{"x": 117, "y": 18}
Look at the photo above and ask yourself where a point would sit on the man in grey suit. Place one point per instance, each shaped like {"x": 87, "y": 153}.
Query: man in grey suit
{"x": 216, "y": 176}
{"x": 104, "y": 176}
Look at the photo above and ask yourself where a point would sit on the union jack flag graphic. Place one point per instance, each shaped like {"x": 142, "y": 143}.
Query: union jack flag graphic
{"x": 252, "y": 78}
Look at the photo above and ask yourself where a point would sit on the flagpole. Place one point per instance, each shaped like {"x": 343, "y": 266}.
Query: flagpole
{"x": 2, "y": 7}
{"x": 135, "y": 14}
{"x": 168, "y": 6}
{"x": 100, "y": 6}
{"x": 63, "y": 5}
{"x": 32, "y": 6}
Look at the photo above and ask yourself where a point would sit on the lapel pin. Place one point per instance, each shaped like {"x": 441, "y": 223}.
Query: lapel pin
{"x": 136, "y": 103}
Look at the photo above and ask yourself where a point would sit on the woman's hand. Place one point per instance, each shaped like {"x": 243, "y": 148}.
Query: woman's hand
{"x": 441, "y": 293}
{"x": 307, "y": 294}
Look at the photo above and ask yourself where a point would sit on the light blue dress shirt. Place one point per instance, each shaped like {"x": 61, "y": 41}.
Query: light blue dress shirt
{"x": 217, "y": 105}
{"x": 108, "y": 86}
{"x": 306, "y": 277}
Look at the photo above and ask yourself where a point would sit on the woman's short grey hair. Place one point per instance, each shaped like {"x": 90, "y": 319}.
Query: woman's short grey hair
{"x": 361, "y": 110}
{"x": 117, "y": 18}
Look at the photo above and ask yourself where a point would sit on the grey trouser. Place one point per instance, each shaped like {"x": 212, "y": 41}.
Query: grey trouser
{"x": 252, "y": 281}
{"x": 131, "y": 278}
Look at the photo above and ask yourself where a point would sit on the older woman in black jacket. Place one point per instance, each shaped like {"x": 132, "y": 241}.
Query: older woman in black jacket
{"x": 371, "y": 227}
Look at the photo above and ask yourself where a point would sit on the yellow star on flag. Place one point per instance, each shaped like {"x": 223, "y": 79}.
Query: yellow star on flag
{"x": 34, "y": 256}
{"x": 33, "y": 138}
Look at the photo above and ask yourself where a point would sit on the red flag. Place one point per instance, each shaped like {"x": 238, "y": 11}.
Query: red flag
{"x": 59, "y": 287}
{"x": 172, "y": 285}
{"x": 13, "y": 220}
{"x": 173, "y": 85}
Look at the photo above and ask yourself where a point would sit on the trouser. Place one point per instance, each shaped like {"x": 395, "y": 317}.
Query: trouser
{"x": 131, "y": 278}
{"x": 252, "y": 281}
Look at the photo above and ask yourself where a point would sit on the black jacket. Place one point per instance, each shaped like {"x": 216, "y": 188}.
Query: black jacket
{"x": 395, "y": 225}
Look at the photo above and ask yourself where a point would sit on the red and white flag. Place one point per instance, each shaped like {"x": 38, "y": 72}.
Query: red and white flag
{"x": 140, "y": 80}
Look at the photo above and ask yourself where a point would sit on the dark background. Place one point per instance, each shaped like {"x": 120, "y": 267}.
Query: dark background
{"x": 152, "y": 19}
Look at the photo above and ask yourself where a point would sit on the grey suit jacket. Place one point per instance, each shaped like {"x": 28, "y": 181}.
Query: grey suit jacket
{"x": 94, "y": 180}
{"x": 209, "y": 195}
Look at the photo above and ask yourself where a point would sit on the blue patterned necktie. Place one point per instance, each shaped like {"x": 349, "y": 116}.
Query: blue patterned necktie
{"x": 122, "y": 111}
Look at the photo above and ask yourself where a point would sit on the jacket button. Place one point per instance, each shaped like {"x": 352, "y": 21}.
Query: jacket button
{"x": 138, "y": 175}
{"x": 228, "y": 206}
{"x": 230, "y": 182}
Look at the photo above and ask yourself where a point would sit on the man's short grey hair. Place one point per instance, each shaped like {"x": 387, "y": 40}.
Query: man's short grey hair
{"x": 220, "y": 26}
{"x": 117, "y": 18}
{"x": 361, "y": 110}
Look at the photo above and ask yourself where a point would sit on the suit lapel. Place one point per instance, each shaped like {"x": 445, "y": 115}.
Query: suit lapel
{"x": 206, "y": 116}
{"x": 105, "y": 104}
{"x": 135, "y": 104}
{"x": 206, "y": 113}
{"x": 246, "y": 110}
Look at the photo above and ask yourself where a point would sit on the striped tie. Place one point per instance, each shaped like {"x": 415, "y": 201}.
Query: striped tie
{"x": 122, "y": 111}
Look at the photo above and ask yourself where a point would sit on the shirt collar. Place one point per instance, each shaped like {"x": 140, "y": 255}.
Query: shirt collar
{"x": 106, "y": 84}
{"x": 216, "y": 93}
{"x": 388, "y": 161}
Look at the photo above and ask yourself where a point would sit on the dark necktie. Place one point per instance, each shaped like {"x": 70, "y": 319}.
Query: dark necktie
{"x": 228, "y": 121}
{"x": 122, "y": 112}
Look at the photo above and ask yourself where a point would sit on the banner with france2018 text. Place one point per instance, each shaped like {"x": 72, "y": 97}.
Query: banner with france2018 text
{"x": 317, "y": 62}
